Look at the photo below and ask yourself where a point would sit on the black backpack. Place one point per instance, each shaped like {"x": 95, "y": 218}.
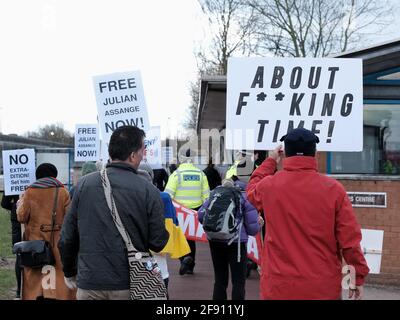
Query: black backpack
{"x": 223, "y": 216}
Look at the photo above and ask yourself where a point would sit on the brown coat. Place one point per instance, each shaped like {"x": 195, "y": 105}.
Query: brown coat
{"x": 36, "y": 210}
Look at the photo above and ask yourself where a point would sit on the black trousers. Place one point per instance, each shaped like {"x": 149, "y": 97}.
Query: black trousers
{"x": 192, "y": 245}
{"x": 224, "y": 257}
{"x": 16, "y": 237}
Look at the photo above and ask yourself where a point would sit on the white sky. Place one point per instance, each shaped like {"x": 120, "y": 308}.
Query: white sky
{"x": 50, "y": 49}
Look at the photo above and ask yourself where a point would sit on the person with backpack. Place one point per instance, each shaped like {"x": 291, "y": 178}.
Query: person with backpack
{"x": 228, "y": 218}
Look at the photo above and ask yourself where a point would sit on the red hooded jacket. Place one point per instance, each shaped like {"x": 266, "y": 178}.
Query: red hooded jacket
{"x": 310, "y": 226}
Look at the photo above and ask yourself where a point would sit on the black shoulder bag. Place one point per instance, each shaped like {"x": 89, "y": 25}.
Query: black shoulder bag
{"x": 38, "y": 253}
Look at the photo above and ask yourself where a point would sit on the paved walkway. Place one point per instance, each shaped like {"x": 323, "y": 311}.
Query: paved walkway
{"x": 199, "y": 286}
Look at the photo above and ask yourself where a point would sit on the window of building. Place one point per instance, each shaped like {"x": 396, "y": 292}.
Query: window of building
{"x": 381, "y": 152}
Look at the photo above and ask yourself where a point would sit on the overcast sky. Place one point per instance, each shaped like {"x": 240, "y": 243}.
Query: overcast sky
{"x": 50, "y": 49}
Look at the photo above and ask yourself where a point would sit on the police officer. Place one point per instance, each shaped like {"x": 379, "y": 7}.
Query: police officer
{"x": 242, "y": 168}
{"x": 188, "y": 185}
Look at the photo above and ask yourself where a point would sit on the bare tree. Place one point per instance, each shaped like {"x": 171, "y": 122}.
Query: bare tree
{"x": 232, "y": 25}
{"x": 317, "y": 28}
{"x": 231, "y": 29}
{"x": 52, "y": 132}
{"x": 294, "y": 28}
{"x": 191, "y": 113}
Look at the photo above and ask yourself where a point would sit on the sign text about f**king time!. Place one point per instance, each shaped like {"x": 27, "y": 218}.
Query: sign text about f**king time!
{"x": 267, "y": 97}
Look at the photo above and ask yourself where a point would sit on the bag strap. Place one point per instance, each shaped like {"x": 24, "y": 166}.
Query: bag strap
{"x": 238, "y": 199}
{"x": 53, "y": 217}
{"x": 114, "y": 211}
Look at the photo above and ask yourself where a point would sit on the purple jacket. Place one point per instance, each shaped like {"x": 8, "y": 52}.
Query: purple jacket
{"x": 250, "y": 220}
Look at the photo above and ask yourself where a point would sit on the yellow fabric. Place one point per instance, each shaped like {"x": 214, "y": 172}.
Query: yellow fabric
{"x": 177, "y": 245}
{"x": 232, "y": 171}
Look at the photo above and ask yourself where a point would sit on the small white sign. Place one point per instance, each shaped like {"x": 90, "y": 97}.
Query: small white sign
{"x": 367, "y": 199}
{"x": 372, "y": 244}
{"x": 87, "y": 143}
{"x": 120, "y": 101}
{"x": 152, "y": 142}
{"x": 19, "y": 170}
{"x": 267, "y": 97}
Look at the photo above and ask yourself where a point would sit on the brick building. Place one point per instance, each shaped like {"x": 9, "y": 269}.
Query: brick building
{"x": 373, "y": 175}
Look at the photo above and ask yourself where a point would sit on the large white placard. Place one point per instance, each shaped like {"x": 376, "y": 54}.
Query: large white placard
{"x": 87, "y": 143}
{"x": 19, "y": 170}
{"x": 267, "y": 97}
{"x": 120, "y": 101}
{"x": 153, "y": 147}
{"x": 371, "y": 244}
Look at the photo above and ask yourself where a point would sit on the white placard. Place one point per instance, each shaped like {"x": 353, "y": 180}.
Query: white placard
{"x": 87, "y": 143}
{"x": 267, "y": 97}
{"x": 152, "y": 142}
{"x": 60, "y": 160}
{"x": 120, "y": 101}
{"x": 371, "y": 244}
{"x": 19, "y": 170}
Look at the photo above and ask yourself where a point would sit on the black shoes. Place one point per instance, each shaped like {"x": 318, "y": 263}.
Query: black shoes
{"x": 251, "y": 265}
{"x": 187, "y": 265}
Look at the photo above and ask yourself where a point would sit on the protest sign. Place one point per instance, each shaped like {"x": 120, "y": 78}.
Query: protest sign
{"x": 371, "y": 244}
{"x": 152, "y": 154}
{"x": 87, "y": 143}
{"x": 120, "y": 101}
{"x": 19, "y": 170}
{"x": 267, "y": 97}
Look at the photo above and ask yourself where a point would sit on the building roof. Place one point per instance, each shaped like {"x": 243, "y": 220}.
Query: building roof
{"x": 376, "y": 59}
{"x": 11, "y": 139}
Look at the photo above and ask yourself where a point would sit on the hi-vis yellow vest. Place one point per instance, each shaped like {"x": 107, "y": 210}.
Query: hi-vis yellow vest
{"x": 232, "y": 171}
{"x": 188, "y": 185}
{"x": 242, "y": 173}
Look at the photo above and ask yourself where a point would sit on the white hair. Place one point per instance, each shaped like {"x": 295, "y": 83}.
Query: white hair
{"x": 228, "y": 183}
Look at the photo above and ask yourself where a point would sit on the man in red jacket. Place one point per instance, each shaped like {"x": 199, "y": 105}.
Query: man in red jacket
{"x": 310, "y": 225}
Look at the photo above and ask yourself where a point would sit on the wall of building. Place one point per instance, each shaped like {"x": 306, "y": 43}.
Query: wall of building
{"x": 386, "y": 219}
